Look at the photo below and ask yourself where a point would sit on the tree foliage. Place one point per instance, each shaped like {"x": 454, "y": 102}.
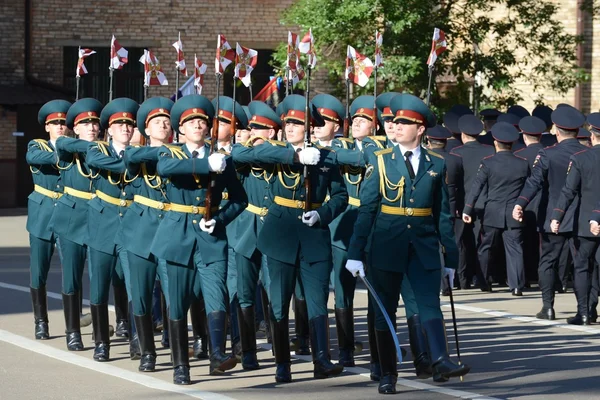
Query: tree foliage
{"x": 502, "y": 41}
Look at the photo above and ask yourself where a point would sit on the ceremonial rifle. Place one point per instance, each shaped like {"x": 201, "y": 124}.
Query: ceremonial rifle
{"x": 214, "y": 136}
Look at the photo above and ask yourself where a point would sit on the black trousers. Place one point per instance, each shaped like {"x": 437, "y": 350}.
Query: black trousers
{"x": 552, "y": 247}
{"x": 513, "y": 248}
{"x": 586, "y": 252}
{"x": 531, "y": 246}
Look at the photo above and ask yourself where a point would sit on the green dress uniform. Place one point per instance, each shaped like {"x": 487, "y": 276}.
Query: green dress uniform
{"x": 257, "y": 180}
{"x": 195, "y": 260}
{"x": 294, "y": 249}
{"x": 139, "y": 227}
{"x": 70, "y": 219}
{"x": 47, "y": 189}
{"x": 106, "y": 210}
{"x": 403, "y": 219}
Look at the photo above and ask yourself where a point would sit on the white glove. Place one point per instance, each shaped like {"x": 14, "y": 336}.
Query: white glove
{"x": 356, "y": 268}
{"x": 449, "y": 272}
{"x": 208, "y": 226}
{"x": 216, "y": 162}
{"x": 309, "y": 156}
{"x": 310, "y": 218}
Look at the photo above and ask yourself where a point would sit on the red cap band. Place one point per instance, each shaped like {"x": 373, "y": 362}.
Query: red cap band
{"x": 121, "y": 116}
{"x": 59, "y": 116}
{"x": 192, "y": 113}
{"x": 329, "y": 114}
{"x": 85, "y": 116}
{"x": 409, "y": 115}
{"x": 155, "y": 113}
{"x": 387, "y": 112}
{"x": 365, "y": 113}
{"x": 265, "y": 122}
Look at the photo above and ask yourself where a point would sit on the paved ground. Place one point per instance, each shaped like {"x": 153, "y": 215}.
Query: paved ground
{"x": 513, "y": 356}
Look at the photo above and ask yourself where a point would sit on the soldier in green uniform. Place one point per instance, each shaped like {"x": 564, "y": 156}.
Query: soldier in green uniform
{"x": 297, "y": 243}
{"x": 383, "y": 106}
{"x": 47, "y": 189}
{"x": 70, "y": 217}
{"x": 193, "y": 247}
{"x": 106, "y": 210}
{"x": 251, "y": 264}
{"x": 141, "y": 222}
{"x": 404, "y": 215}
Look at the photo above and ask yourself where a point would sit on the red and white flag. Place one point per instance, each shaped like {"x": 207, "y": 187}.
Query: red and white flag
{"x": 293, "y": 51}
{"x": 438, "y": 46}
{"x": 378, "y": 55}
{"x": 307, "y": 46}
{"x": 225, "y": 54}
{"x": 118, "y": 54}
{"x": 296, "y": 75}
{"x": 245, "y": 61}
{"x": 83, "y": 54}
{"x": 199, "y": 71}
{"x": 153, "y": 73}
{"x": 358, "y": 67}
{"x": 180, "y": 63}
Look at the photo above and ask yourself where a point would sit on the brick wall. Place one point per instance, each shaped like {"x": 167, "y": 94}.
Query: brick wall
{"x": 12, "y": 42}
{"x": 8, "y": 125}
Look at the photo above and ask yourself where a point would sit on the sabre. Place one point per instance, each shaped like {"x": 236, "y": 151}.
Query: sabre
{"x": 454, "y": 323}
{"x": 387, "y": 318}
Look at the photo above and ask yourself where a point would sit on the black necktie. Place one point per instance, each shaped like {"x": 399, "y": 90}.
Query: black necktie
{"x": 194, "y": 154}
{"x": 121, "y": 153}
{"x": 409, "y": 167}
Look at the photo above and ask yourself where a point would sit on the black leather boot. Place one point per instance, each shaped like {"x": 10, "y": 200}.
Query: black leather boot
{"x": 387, "y": 359}
{"x": 319, "y": 337}
{"x": 300, "y": 342}
{"x": 134, "y": 341}
{"x": 246, "y": 322}
{"x": 179, "y": 351}
{"x": 418, "y": 346}
{"x": 374, "y": 362}
{"x": 84, "y": 319}
{"x": 145, "y": 334}
{"x": 344, "y": 322}
{"x": 198, "y": 317}
{"x": 101, "y": 336}
{"x": 73, "y": 330}
{"x": 40, "y": 312}
{"x": 281, "y": 347}
{"x": 121, "y": 311}
{"x": 442, "y": 366}
{"x": 219, "y": 361}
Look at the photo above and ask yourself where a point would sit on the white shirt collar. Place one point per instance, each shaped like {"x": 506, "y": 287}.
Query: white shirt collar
{"x": 201, "y": 150}
{"x": 117, "y": 149}
{"x": 301, "y": 147}
{"x": 227, "y": 147}
{"x": 359, "y": 144}
{"x": 416, "y": 152}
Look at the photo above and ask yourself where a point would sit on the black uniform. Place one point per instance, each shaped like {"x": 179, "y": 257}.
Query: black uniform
{"x": 582, "y": 183}
{"x": 470, "y": 155}
{"x": 504, "y": 174}
{"x": 453, "y": 142}
{"x": 549, "y": 173}
{"x": 456, "y": 190}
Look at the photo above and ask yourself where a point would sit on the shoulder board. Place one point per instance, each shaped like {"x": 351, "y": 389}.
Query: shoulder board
{"x": 345, "y": 139}
{"x": 277, "y": 143}
{"x": 318, "y": 146}
{"x": 250, "y": 142}
{"x": 221, "y": 151}
{"x": 522, "y": 158}
{"x": 433, "y": 153}
{"x": 380, "y": 138}
{"x": 579, "y": 152}
{"x": 490, "y": 156}
{"x": 383, "y": 151}
{"x": 176, "y": 151}
{"x": 103, "y": 147}
{"x": 43, "y": 144}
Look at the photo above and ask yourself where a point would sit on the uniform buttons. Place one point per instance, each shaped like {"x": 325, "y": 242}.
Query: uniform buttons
{"x": 160, "y": 216}
{"x": 124, "y": 194}
{"x": 299, "y": 217}
{"x": 199, "y": 186}
{"x": 198, "y": 198}
{"x": 412, "y": 200}
{"x": 120, "y": 214}
{"x": 58, "y": 186}
{"x": 408, "y": 226}
{"x": 194, "y": 221}
{"x": 413, "y": 188}
{"x": 55, "y": 204}
{"x": 266, "y": 197}
{"x": 301, "y": 195}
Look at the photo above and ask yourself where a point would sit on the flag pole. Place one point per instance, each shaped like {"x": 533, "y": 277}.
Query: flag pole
{"x": 347, "y": 119}
{"x": 287, "y": 80}
{"x": 77, "y": 87}
{"x": 110, "y": 83}
{"x": 233, "y": 124}
{"x": 250, "y": 89}
{"x": 430, "y": 69}
{"x": 375, "y": 101}
{"x": 307, "y": 143}
{"x": 145, "y": 92}
{"x": 176, "y": 84}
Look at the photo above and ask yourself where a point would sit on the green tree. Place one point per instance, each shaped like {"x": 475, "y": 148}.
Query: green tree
{"x": 502, "y": 41}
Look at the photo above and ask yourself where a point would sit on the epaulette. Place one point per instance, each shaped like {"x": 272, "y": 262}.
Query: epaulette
{"x": 103, "y": 147}
{"x": 579, "y": 152}
{"x": 433, "y": 153}
{"x": 43, "y": 144}
{"x": 345, "y": 139}
{"x": 490, "y": 156}
{"x": 380, "y": 138}
{"x": 384, "y": 151}
{"x": 318, "y": 146}
{"x": 277, "y": 142}
{"x": 250, "y": 142}
{"x": 221, "y": 151}
{"x": 176, "y": 151}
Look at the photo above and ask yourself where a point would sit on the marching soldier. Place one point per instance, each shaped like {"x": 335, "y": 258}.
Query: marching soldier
{"x": 545, "y": 114}
{"x": 297, "y": 243}
{"x": 70, "y": 218}
{"x": 490, "y": 117}
{"x": 471, "y": 153}
{"x": 584, "y": 137}
{"x": 47, "y": 189}
{"x": 582, "y": 182}
{"x": 549, "y": 173}
{"x": 141, "y": 222}
{"x": 106, "y": 210}
{"x": 532, "y": 129}
{"x": 383, "y": 106}
{"x": 504, "y": 174}
{"x": 405, "y": 212}
{"x": 195, "y": 248}
{"x": 251, "y": 263}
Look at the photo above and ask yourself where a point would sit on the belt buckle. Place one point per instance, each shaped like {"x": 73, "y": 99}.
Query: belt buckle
{"x": 161, "y": 206}
{"x": 55, "y": 195}
{"x": 94, "y": 195}
{"x": 410, "y": 212}
{"x": 195, "y": 210}
{"x": 122, "y": 203}
{"x": 263, "y": 212}
{"x": 299, "y": 204}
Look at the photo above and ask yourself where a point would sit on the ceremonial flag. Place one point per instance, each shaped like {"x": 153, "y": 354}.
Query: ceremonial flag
{"x": 270, "y": 93}
{"x": 153, "y": 73}
{"x": 307, "y": 46}
{"x": 83, "y": 54}
{"x": 199, "y": 70}
{"x": 296, "y": 75}
{"x": 358, "y": 67}
{"x": 225, "y": 54}
{"x": 245, "y": 62}
{"x": 118, "y": 54}
{"x": 378, "y": 56}
{"x": 438, "y": 46}
{"x": 180, "y": 63}
{"x": 293, "y": 51}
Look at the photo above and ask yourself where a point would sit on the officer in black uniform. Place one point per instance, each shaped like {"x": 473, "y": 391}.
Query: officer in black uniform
{"x": 471, "y": 153}
{"x": 549, "y": 174}
{"x": 544, "y": 113}
{"x": 504, "y": 174}
{"x": 532, "y": 129}
{"x": 582, "y": 182}
{"x": 585, "y": 137}
{"x": 490, "y": 117}
{"x": 451, "y": 122}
